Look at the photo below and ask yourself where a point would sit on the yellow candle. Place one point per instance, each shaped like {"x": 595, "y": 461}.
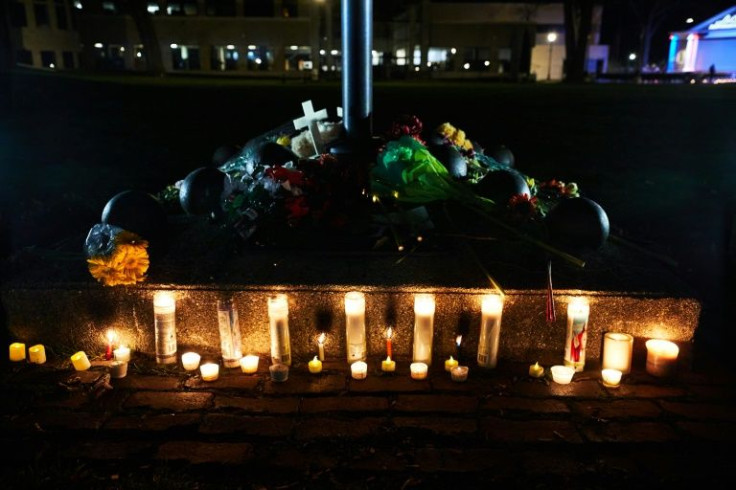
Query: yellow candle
{"x": 450, "y": 364}
{"x": 37, "y": 354}
{"x": 80, "y": 361}
{"x": 122, "y": 354}
{"x": 617, "y": 349}
{"x": 209, "y": 371}
{"x": 536, "y": 371}
{"x": 661, "y": 357}
{"x": 17, "y": 351}
{"x": 388, "y": 366}
{"x": 190, "y": 361}
{"x": 249, "y": 364}
{"x": 315, "y": 366}
{"x": 418, "y": 370}
{"x": 611, "y": 377}
{"x": 359, "y": 370}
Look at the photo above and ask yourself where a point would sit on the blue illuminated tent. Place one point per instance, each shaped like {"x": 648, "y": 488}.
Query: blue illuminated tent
{"x": 710, "y": 43}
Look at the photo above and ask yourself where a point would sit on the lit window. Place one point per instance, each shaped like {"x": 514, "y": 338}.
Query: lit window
{"x": 153, "y": 8}
{"x": 293, "y": 48}
{"x": 453, "y": 50}
{"x": 78, "y": 4}
{"x": 466, "y": 66}
{"x": 252, "y": 47}
{"x": 98, "y": 45}
{"x": 174, "y": 46}
{"x": 334, "y": 52}
{"x": 322, "y": 52}
{"x": 230, "y": 46}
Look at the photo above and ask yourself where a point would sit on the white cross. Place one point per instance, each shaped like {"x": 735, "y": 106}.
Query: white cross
{"x": 310, "y": 120}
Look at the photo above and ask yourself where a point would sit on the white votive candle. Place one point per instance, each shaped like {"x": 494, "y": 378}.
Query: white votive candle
{"x": 37, "y": 354}
{"x": 418, "y": 370}
{"x": 209, "y": 371}
{"x": 611, "y": 377}
{"x": 80, "y": 361}
{"x": 249, "y": 364}
{"x": 122, "y": 354}
{"x": 17, "y": 351}
{"x": 459, "y": 373}
{"x": 562, "y": 374}
{"x": 118, "y": 369}
{"x": 661, "y": 357}
{"x": 190, "y": 361}
{"x": 359, "y": 370}
{"x": 617, "y": 351}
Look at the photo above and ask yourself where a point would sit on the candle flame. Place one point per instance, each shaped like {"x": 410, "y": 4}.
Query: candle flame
{"x": 110, "y": 336}
{"x": 390, "y": 333}
{"x": 321, "y": 339}
{"x": 458, "y": 340}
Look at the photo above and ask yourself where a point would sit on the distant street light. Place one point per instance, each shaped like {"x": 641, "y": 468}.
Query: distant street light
{"x": 689, "y": 20}
{"x": 551, "y": 38}
{"x": 632, "y": 56}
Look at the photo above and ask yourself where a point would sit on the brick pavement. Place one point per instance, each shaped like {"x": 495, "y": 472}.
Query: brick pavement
{"x": 169, "y": 428}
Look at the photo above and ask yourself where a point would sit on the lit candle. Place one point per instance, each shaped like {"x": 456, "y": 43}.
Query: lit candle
{"x": 321, "y": 346}
{"x": 459, "y": 373}
{"x": 359, "y": 370}
{"x": 490, "y": 330}
{"x": 118, "y": 369}
{"x": 617, "y": 351}
{"x": 227, "y": 323}
{"x": 17, "y": 351}
{"x": 423, "y": 327}
{"x": 315, "y": 366}
{"x": 279, "y": 372}
{"x": 209, "y": 371}
{"x": 536, "y": 371}
{"x": 450, "y": 363}
{"x": 458, "y": 341}
{"x": 278, "y": 320}
{"x": 661, "y": 357}
{"x": 37, "y": 354}
{"x": 388, "y": 366}
{"x": 562, "y": 374}
{"x": 418, "y": 370}
{"x": 80, "y": 361}
{"x": 389, "y": 337}
{"x": 122, "y": 354}
{"x": 164, "y": 316}
{"x": 611, "y": 377}
{"x": 355, "y": 326}
{"x": 577, "y": 333}
{"x": 249, "y": 364}
{"x": 110, "y": 339}
{"x": 190, "y": 361}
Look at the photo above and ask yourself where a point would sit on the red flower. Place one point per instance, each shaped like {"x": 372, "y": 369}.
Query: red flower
{"x": 281, "y": 174}
{"x": 406, "y": 125}
{"x": 297, "y": 207}
{"x": 522, "y": 206}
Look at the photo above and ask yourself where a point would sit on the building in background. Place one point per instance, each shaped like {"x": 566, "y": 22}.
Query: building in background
{"x": 300, "y": 38}
{"x": 709, "y": 44}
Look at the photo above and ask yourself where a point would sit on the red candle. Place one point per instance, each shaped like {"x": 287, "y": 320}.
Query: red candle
{"x": 110, "y": 338}
{"x": 389, "y": 353}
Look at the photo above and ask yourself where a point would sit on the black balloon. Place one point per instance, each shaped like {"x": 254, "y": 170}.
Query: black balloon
{"x": 503, "y": 156}
{"x": 136, "y": 211}
{"x": 223, "y": 154}
{"x": 502, "y": 185}
{"x": 202, "y": 190}
{"x": 452, "y": 159}
{"x": 578, "y": 223}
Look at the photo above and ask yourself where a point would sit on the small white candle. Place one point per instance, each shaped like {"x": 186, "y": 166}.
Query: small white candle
{"x": 122, "y": 354}
{"x": 611, "y": 377}
{"x": 562, "y": 374}
{"x": 423, "y": 327}
{"x": 37, "y": 354}
{"x": 209, "y": 371}
{"x": 190, "y": 361}
{"x": 661, "y": 357}
{"x": 359, "y": 370}
{"x": 617, "y": 351}
{"x": 80, "y": 361}
{"x": 321, "y": 346}
{"x": 17, "y": 351}
{"x": 459, "y": 373}
{"x": 118, "y": 369}
{"x": 418, "y": 370}
{"x": 249, "y": 364}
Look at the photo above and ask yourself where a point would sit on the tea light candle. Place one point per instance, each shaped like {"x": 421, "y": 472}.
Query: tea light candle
{"x": 80, "y": 361}
{"x": 315, "y": 366}
{"x": 617, "y": 350}
{"x": 536, "y": 371}
{"x": 359, "y": 370}
{"x": 321, "y": 346}
{"x": 37, "y": 354}
{"x": 209, "y": 371}
{"x": 418, "y": 370}
{"x": 249, "y": 364}
{"x": 17, "y": 351}
{"x": 122, "y": 354}
{"x": 562, "y": 374}
{"x": 611, "y": 377}
{"x": 190, "y": 361}
{"x": 661, "y": 357}
{"x": 279, "y": 372}
{"x": 388, "y": 366}
{"x": 450, "y": 364}
{"x": 459, "y": 373}
{"x": 423, "y": 327}
{"x": 118, "y": 369}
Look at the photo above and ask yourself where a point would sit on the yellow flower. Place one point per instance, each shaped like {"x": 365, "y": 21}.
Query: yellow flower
{"x": 284, "y": 140}
{"x": 127, "y": 264}
{"x": 446, "y": 130}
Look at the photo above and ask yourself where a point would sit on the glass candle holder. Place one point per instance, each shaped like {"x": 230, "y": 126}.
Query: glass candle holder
{"x": 562, "y": 374}
{"x": 661, "y": 357}
{"x": 279, "y": 372}
{"x": 617, "y": 351}
{"x": 227, "y": 322}
{"x": 164, "y": 319}
{"x": 355, "y": 326}
{"x": 190, "y": 361}
{"x": 418, "y": 370}
{"x": 423, "y": 328}
{"x": 359, "y": 370}
{"x": 611, "y": 378}
{"x": 249, "y": 364}
{"x": 278, "y": 320}
{"x": 459, "y": 374}
{"x": 490, "y": 330}
{"x": 210, "y": 371}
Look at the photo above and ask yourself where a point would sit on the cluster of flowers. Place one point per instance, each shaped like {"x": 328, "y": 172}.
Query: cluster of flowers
{"x": 120, "y": 258}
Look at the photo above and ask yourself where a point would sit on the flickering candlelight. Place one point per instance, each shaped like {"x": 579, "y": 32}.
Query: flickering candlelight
{"x": 122, "y": 354}
{"x": 617, "y": 351}
{"x": 458, "y": 341}
{"x": 17, "y": 351}
{"x": 359, "y": 370}
{"x": 490, "y": 330}
{"x": 418, "y": 370}
{"x": 423, "y": 327}
{"x": 190, "y": 361}
{"x": 80, "y": 361}
{"x": 315, "y": 366}
{"x": 110, "y": 339}
{"x": 661, "y": 357}
{"x": 37, "y": 354}
{"x": 562, "y": 374}
{"x": 611, "y": 377}
{"x": 459, "y": 373}
{"x": 321, "y": 346}
{"x": 249, "y": 364}
{"x": 577, "y": 333}
{"x": 450, "y": 364}
{"x": 388, "y": 365}
{"x": 164, "y": 312}
{"x": 536, "y": 371}
{"x": 210, "y": 371}
{"x": 355, "y": 326}
{"x": 389, "y": 338}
